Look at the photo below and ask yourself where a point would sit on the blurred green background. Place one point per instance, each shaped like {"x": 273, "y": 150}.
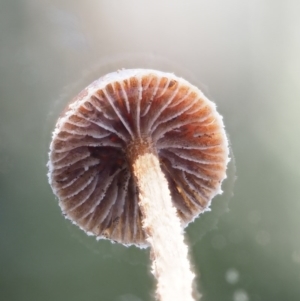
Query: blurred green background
{"x": 244, "y": 55}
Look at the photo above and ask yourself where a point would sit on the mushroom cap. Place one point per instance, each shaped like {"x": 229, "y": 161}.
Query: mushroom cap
{"x": 89, "y": 159}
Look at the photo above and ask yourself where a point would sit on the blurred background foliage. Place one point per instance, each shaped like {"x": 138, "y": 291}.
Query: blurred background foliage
{"x": 244, "y": 55}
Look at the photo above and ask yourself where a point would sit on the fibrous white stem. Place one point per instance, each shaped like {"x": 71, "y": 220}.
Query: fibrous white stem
{"x": 170, "y": 264}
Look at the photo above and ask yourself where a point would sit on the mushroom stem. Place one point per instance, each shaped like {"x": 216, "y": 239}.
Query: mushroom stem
{"x": 170, "y": 263}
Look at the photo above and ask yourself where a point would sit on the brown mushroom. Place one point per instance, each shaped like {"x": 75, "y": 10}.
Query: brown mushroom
{"x": 134, "y": 158}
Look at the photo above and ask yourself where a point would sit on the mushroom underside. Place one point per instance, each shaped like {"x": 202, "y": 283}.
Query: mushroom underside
{"x": 105, "y": 129}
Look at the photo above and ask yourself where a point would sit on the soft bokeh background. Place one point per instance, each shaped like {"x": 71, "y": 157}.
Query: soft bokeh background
{"x": 243, "y": 54}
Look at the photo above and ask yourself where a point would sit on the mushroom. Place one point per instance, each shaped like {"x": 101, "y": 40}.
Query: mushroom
{"x": 134, "y": 158}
